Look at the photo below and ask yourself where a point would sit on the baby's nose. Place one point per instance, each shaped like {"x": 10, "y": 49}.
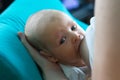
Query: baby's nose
{"x": 75, "y": 37}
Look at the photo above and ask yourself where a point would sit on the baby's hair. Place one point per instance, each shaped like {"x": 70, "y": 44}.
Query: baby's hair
{"x": 40, "y": 19}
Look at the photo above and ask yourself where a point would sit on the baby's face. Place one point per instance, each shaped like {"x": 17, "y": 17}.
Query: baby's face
{"x": 63, "y": 38}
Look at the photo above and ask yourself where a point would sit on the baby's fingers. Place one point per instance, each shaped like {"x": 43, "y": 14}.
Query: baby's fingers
{"x": 34, "y": 53}
{"x": 24, "y": 41}
{"x": 22, "y": 36}
{"x": 26, "y": 44}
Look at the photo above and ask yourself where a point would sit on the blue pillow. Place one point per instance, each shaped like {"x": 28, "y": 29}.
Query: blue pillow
{"x": 15, "y": 61}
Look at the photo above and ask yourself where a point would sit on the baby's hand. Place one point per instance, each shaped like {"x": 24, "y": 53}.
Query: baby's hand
{"x": 51, "y": 71}
{"x": 39, "y": 59}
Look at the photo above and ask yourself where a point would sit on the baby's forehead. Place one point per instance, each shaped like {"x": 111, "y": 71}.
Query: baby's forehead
{"x": 50, "y": 22}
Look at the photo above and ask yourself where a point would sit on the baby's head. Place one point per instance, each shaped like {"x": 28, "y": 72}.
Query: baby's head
{"x": 56, "y": 35}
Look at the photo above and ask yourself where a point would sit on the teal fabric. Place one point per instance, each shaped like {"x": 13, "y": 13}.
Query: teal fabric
{"x": 15, "y": 61}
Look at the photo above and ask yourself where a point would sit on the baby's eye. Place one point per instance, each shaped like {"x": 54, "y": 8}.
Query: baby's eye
{"x": 73, "y": 28}
{"x": 62, "y": 40}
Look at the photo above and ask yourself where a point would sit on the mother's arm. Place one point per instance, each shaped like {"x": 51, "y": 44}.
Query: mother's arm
{"x": 107, "y": 40}
{"x": 51, "y": 71}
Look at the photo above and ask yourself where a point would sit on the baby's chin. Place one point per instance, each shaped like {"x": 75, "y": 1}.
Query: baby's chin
{"x": 79, "y": 63}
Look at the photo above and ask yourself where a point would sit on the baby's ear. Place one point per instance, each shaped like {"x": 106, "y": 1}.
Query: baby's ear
{"x": 48, "y": 56}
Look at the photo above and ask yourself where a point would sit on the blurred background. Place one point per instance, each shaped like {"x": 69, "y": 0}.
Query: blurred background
{"x": 4, "y": 4}
{"x": 81, "y": 9}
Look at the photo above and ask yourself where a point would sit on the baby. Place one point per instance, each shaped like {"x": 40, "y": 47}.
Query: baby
{"x": 60, "y": 40}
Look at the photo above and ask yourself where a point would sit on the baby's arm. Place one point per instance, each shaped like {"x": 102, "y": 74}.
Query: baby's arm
{"x": 107, "y": 40}
{"x": 51, "y": 71}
